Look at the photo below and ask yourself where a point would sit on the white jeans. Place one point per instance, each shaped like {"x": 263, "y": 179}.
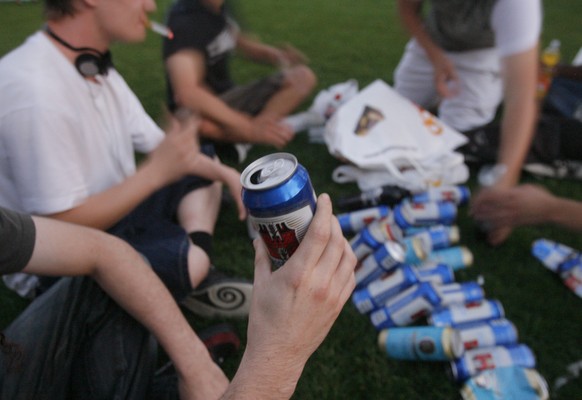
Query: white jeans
{"x": 480, "y": 91}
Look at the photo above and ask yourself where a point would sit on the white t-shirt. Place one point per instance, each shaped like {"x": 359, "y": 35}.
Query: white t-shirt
{"x": 62, "y": 137}
{"x": 517, "y": 25}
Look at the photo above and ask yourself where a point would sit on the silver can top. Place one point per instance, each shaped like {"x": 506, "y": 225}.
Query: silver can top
{"x": 269, "y": 171}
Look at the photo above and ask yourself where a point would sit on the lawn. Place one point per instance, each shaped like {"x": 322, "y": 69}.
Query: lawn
{"x": 363, "y": 40}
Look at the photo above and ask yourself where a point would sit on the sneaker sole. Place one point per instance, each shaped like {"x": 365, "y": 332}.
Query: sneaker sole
{"x": 229, "y": 299}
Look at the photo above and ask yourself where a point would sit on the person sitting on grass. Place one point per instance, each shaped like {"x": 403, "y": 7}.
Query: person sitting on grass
{"x": 198, "y": 68}
{"x": 86, "y": 336}
{"x": 69, "y": 129}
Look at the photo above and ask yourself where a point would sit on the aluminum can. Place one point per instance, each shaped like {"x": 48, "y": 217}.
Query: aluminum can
{"x": 374, "y": 235}
{"x": 426, "y": 343}
{"x": 280, "y": 200}
{"x": 436, "y": 236}
{"x": 458, "y": 257}
{"x": 416, "y": 249}
{"x": 506, "y": 383}
{"x": 480, "y": 359}
{"x": 386, "y": 258}
{"x": 458, "y": 314}
{"x": 572, "y": 277}
{"x": 408, "y": 214}
{"x": 407, "y": 307}
{"x": 496, "y": 332}
{"x": 377, "y": 293}
{"x": 458, "y": 195}
{"x": 459, "y": 293}
{"x": 353, "y": 222}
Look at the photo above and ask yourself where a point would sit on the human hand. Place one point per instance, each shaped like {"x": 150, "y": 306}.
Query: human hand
{"x": 445, "y": 76}
{"x": 290, "y": 56}
{"x": 294, "y": 307}
{"x": 268, "y": 130}
{"x": 503, "y": 209}
{"x": 177, "y": 154}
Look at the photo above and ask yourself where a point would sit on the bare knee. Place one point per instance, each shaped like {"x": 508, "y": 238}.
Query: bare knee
{"x": 302, "y": 79}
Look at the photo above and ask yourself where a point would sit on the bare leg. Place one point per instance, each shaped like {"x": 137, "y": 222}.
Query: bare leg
{"x": 298, "y": 83}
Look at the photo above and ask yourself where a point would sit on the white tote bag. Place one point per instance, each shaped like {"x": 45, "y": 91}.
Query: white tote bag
{"x": 387, "y": 139}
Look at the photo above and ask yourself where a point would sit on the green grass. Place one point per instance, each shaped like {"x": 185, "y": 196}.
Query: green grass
{"x": 346, "y": 39}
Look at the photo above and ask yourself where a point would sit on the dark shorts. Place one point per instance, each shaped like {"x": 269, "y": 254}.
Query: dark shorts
{"x": 153, "y": 230}
{"x": 252, "y": 97}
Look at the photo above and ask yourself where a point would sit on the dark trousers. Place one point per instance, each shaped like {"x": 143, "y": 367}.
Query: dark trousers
{"x": 77, "y": 343}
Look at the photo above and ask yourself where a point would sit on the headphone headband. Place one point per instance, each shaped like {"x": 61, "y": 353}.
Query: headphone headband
{"x": 90, "y": 62}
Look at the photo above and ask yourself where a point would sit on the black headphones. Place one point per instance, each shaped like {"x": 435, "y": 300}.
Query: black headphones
{"x": 90, "y": 62}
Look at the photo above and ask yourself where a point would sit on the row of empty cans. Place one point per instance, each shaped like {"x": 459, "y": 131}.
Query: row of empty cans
{"x": 431, "y": 343}
{"x": 375, "y": 294}
{"x": 353, "y": 222}
{"x": 561, "y": 259}
{"x": 389, "y": 255}
{"x": 420, "y": 300}
{"x": 406, "y": 215}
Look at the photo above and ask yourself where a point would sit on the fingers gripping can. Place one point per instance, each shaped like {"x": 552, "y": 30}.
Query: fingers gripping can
{"x": 280, "y": 200}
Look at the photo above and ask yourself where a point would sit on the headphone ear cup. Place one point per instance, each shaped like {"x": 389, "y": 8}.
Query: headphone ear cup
{"x": 88, "y": 65}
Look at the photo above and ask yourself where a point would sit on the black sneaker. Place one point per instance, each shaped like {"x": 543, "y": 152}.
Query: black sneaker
{"x": 220, "y": 296}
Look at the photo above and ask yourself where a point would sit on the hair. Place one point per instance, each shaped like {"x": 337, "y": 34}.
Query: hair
{"x": 57, "y": 9}
{"x": 13, "y": 353}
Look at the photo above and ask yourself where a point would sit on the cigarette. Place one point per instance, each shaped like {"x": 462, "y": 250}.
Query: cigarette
{"x": 160, "y": 29}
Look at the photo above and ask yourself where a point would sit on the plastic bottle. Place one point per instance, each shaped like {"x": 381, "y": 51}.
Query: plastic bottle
{"x": 550, "y": 57}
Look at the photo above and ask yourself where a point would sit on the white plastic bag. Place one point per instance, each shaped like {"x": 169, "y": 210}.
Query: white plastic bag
{"x": 394, "y": 141}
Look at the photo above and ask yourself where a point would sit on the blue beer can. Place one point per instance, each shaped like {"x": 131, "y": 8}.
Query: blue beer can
{"x": 379, "y": 291}
{"x": 476, "y": 360}
{"x": 408, "y": 214}
{"x": 496, "y": 332}
{"x": 457, "y": 194}
{"x": 436, "y": 236}
{"x": 388, "y": 256}
{"x": 455, "y": 293}
{"x": 426, "y": 343}
{"x": 407, "y": 307}
{"x": 460, "y": 313}
{"x": 416, "y": 249}
{"x": 280, "y": 200}
{"x": 458, "y": 257}
{"x": 438, "y": 274}
{"x": 371, "y": 237}
{"x": 353, "y": 222}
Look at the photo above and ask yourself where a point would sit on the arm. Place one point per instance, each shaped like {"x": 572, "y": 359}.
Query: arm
{"x": 293, "y": 309}
{"x": 64, "y": 249}
{"x": 526, "y": 205}
{"x": 445, "y": 74}
{"x": 186, "y": 70}
{"x": 257, "y": 51}
{"x": 519, "y": 112}
{"x": 175, "y": 157}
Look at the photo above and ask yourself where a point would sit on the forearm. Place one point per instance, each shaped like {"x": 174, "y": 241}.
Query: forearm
{"x": 258, "y": 51}
{"x": 410, "y": 14}
{"x": 566, "y": 213}
{"x": 519, "y": 113}
{"x": 234, "y": 126}
{"x": 105, "y": 209}
{"x": 257, "y": 379}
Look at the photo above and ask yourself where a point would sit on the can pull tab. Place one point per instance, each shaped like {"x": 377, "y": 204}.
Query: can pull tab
{"x": 272, "y": 170}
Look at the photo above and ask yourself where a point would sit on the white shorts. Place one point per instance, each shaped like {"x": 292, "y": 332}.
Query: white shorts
{"x": 480, "y": 91}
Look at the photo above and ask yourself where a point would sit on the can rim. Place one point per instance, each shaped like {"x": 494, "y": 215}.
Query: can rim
{"x": 246, "y": 175}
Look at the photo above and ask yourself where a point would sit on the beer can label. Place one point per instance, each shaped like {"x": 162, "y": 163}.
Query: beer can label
{"x": 282, "y": 235}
